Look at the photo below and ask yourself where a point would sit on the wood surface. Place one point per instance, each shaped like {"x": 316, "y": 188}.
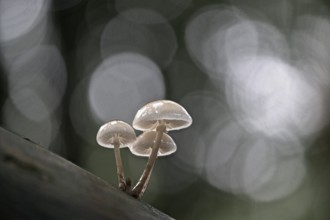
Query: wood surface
{"x": 38, "y": 184}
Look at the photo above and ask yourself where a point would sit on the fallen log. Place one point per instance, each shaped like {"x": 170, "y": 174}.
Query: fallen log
{"x": 38, "y": 184}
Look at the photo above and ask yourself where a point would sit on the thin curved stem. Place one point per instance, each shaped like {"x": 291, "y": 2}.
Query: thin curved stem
{"x": 120, "y": 173}
{"x": 141, "y": 185}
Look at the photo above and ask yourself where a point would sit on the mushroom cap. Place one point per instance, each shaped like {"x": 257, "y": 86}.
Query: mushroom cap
{"x": 114, "y": 131}
{"x": 173, "y": 114}
{"x": 145, "y": 142}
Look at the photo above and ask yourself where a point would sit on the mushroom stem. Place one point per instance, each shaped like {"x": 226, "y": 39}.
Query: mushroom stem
{"x": 120, "y": 173}
{"x": 141, "y": 185}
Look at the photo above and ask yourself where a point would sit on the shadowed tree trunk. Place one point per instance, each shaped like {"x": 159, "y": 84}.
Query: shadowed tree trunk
{"x": 37, "y": 184}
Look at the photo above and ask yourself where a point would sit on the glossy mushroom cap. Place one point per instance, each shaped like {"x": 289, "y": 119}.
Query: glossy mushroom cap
{"x": 144, "y": 143}
{"x": 171, "y": 113}
{"x": 115, "y": 131}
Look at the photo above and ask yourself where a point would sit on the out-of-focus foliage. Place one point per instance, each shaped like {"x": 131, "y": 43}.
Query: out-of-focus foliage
{"x": 253, "y": 74}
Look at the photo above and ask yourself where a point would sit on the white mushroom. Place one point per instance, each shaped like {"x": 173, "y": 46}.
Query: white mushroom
{"x": 162, "y": 112}
{"x": 162, "y": 116}
{"x": 145, "y": 142}
{"x": 143, "y": 147}
{"x": 116, "y": 134}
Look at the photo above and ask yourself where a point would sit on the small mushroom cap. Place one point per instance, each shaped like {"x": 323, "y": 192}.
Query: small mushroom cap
{"x": 115, "y": 131}
{"x": 171, "y": 113}
{"x": 145, "y": 142}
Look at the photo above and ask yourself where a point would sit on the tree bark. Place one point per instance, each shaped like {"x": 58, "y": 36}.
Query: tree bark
{"x": 37, "y": 184}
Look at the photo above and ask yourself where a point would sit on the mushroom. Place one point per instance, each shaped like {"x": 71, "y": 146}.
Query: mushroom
{"x": 116, "y": 134}
{"x": 145, "y": 142}
{"x": 161, "y": 116}
{"x": 143, "y": 147}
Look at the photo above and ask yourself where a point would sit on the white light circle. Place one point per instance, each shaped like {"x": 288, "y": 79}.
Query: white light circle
{"x": 169, "y": 9}
{"x": 17, "y": 17}
{"x": 39, "y": 75}
{"x": 126, "y": 34}
{"x": 122, "y": 84}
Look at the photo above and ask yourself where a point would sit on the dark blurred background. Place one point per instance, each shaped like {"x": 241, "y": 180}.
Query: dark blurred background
{"x": 253, "y": 74}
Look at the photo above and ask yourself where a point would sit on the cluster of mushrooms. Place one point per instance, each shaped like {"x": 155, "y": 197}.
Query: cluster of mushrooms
{"x": 154, "y": 119}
